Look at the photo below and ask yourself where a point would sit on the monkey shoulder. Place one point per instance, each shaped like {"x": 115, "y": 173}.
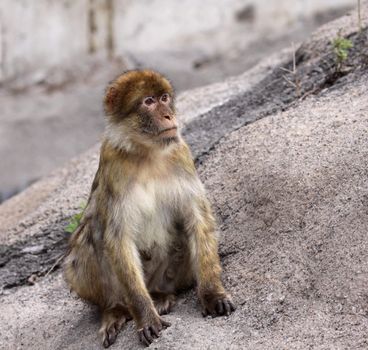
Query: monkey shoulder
{"x": 183, "y": 159}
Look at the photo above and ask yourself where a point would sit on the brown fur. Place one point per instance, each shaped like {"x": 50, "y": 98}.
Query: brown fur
{"x": 147, "y": 231}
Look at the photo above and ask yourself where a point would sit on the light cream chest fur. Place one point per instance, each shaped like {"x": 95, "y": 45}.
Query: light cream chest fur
{"x": 154, "y": 205}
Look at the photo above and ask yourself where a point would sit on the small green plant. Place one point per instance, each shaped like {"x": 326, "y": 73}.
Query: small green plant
{"x": 75, "y": 219}
{"x": 341, "y": 48}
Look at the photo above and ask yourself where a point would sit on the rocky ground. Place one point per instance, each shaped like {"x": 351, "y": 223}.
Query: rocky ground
{"x": 284, "y": 158}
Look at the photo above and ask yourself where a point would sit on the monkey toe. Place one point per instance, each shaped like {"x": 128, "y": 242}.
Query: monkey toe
{"x": 110, "y": 330}
{"x": 164, "y": 304}
{"x": 165, "y": 324}
{"x": 147, "y": 334}
{"x": 224, "y": 307}
{"x": 109, "y": 337}
{"x": 220, "y": 307}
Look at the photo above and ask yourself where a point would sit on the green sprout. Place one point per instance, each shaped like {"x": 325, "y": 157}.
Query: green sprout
{"x": 75, "y": 219}
{"x": 341, "y": 48}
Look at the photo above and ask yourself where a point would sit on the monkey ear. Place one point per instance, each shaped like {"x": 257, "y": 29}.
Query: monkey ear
{"x": 110, "y": 99}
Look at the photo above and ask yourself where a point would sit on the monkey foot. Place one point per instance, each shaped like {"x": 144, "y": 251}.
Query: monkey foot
{"x": 112, "y": 322}
{"x": 163, "y": 302}
{"x": 220, "y": 306}
{"x": 151, "y": 331}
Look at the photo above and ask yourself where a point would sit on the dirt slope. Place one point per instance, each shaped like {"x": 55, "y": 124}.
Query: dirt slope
{"x": 290, "y": 191}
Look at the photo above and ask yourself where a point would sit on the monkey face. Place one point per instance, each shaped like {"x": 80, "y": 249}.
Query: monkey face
{"x": 140, "y": 103}
{"x": 157, "y": 118}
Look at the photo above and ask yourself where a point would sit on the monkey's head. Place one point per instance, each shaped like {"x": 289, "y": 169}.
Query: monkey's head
{"x": 139, "y": 105}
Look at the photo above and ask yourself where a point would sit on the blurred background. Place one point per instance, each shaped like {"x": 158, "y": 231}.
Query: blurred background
{"x": 56, "y": 57}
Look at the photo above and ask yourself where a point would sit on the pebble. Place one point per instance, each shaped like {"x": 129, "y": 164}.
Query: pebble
{"x": 36, "y": 249}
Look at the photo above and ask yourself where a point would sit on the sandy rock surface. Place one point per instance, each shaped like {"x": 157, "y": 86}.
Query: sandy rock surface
{"x": 290, "y": 191}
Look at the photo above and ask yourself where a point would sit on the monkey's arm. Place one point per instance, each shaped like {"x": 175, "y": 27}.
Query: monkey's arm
{"x": 206, "y": 262}
{"x": 125, "y": 259}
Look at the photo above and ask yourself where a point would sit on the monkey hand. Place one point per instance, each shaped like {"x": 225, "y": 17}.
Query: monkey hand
{"x": 150, "y": 328}
{"x": 217, "y": 305}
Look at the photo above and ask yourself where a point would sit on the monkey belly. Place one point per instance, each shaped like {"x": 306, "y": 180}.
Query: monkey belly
{"x": 170, "y": 272}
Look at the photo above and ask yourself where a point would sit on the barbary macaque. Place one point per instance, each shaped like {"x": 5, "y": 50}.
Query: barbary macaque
{"x": 147, "y": 231}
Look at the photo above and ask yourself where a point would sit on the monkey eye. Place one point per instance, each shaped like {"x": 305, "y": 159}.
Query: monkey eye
{"x": 165, "y": 98}
{"x": 148, "y": 101}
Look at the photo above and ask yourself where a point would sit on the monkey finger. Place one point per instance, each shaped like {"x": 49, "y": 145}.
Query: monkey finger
{"x": 144, "y": 336}
{"x": 106, "y": 342}
{"x": 142, "y": 339}
{"x": 111, "y": 333}
{"x": 109, "y": 337}
{"x": 209, "y": 312}
{"x": 220, "y": 308}
{"x": 155, "y": 331}
{"x": 232, "y": 305}
{"x": 164, "y": 323}
{"x": 147, "y": 334}
{"x": 228, "y": 307}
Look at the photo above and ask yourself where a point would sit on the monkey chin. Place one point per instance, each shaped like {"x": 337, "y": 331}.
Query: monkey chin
{"x": 169, "y": 140}
{"x": 168, "y": 137}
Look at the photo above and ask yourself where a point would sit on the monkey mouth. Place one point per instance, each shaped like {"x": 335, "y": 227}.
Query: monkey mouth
{"x": 168, "y": 132}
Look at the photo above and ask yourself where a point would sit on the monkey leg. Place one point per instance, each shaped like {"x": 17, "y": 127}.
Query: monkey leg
{"x": 97, "y": 283}
{"x": 214, "y": 299}
{"x": 112, "y": 321}
{"x": 127, "y": 267}
{"x": 93, "y": 279}
{"x": 206, "y": 264}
